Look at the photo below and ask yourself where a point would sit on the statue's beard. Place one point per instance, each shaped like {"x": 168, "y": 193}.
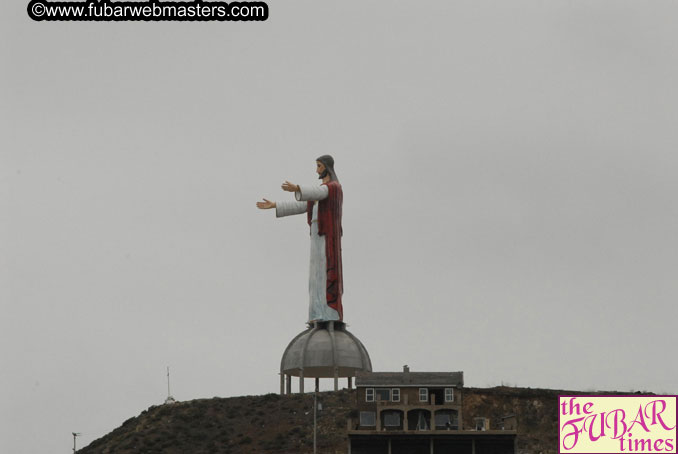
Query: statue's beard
{"x": 323, "y": 175}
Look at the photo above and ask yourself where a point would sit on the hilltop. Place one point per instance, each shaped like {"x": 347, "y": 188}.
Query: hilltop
{"x": 274, "y": 424}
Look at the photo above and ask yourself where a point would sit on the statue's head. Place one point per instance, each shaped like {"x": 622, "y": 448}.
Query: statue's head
{"x": 325, "y": 165}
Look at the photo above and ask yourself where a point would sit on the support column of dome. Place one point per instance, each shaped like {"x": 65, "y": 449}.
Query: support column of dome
{"x": 323, "y": 350}
{"x": 301, "y": 381}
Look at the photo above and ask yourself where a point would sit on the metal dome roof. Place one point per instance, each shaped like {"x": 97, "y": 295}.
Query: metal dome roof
{"x": 321, "y": 348}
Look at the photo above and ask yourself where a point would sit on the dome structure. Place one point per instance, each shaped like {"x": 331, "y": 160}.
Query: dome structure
{"x": 324, "y": 350}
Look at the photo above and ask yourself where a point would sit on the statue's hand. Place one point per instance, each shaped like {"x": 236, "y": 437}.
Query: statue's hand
{"x": 265, "y": 205}
{"x": 290, "y": 187}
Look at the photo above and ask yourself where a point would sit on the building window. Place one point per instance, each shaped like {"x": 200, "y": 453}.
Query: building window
{"x": 422, "y": 423}
{"x": 368, "y": 418}
{"x": 449, "y": 395}
{"x": 383, "y": 394}
{"x": 369, "y": 395}
{"x": 395, "y": 393}
{"x": 423, "y": 394}
{"x": 391, "y": 419}
{"x": 446, "y": 419}
{"x": 442, "y": 420}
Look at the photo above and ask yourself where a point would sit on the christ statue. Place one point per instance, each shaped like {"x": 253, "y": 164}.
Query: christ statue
{"x": 322, "y": 205}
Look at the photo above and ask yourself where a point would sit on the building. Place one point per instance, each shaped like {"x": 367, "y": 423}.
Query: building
{"x": 419, "y": 413}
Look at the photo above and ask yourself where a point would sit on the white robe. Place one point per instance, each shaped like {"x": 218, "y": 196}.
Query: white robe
{"x": 318, "y": 310}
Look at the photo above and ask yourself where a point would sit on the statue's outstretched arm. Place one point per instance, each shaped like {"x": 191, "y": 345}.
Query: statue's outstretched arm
{"x": 289, "y": 208}
{"x": 311, "y": 193}
{"x": 285, "y": 208}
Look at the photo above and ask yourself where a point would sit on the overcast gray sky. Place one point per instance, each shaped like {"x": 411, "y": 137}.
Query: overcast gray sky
{"x": 509, "y": 170}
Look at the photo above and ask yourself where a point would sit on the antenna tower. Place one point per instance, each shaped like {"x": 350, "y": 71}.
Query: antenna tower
{"x": 170, "y": 399}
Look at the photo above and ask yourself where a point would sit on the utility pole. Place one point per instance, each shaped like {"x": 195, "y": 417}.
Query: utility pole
{"x": 316, "y": 407}
{"x": 315, "y": 417}
{"x": 74, "y": 435}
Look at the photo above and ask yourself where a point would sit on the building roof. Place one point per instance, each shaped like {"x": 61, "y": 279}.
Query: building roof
{"x": 409, "y": 379}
